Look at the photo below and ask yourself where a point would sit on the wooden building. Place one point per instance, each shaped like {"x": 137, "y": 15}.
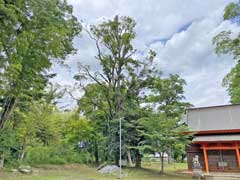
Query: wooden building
{"x": 216, "y": 139}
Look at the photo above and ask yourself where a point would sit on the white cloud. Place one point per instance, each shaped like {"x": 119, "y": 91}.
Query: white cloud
{"x": 189, "y": 53}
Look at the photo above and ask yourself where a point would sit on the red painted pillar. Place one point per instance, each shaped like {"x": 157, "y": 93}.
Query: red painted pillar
{"x": 205, "y": 158}
{"x": 237, "y": 154}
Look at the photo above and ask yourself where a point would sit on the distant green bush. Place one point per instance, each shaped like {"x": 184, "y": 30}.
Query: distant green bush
{"x": 55, "y": 155}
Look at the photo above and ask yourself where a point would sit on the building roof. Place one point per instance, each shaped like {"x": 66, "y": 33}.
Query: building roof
{"x": 216, "y": 106}
{"x": 226, "y": 117}
{"x": 217, "y": 138}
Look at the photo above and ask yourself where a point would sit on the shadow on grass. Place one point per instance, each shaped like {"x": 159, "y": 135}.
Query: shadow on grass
{"x": 156, "y": 173}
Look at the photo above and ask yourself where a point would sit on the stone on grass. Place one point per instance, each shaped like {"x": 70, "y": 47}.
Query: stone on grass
{"x": 109, "y": 169}
{"x": 197, "y": 174}
{"x": 14, "y": 171}
{"x": 25, "y": 169}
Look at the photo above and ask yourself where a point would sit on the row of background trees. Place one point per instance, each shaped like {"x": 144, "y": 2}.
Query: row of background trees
{"x": 36, "y": 34}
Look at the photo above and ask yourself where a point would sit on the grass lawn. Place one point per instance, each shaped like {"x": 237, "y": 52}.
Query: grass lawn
{"x": 83, "y": 172}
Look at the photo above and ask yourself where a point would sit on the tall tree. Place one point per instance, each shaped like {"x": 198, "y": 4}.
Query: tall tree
{"x": 122, "y": 88}
{"x": 118, "y": 85}
{"x": 33, "y": 34}
{"x": 113, "y": 42}
{"x": 226, "y": 43}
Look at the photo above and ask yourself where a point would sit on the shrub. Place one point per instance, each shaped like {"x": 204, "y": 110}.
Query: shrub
{"x": 55, "y": 155}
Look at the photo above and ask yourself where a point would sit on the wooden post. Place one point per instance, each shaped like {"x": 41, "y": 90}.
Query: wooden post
{"x": 205, "y": 158}
{"x": 238, "y": 155}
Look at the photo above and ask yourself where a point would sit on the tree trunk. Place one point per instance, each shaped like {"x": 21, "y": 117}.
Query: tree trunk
{"x": 162, "y": 163}
{"x": 182, "y": 158}
{"x": 138, "y": 159}
{"x": 96, "y": 155}
{"x": 2, "y": 161}
{"x": 106, "y": 156}
{"x": 116, "y": 158}
{"x": 7, "y": 108}
{"x": 21, "y": 156}
{"x": 170, "y": 156}
{"x": 129, "y": 158}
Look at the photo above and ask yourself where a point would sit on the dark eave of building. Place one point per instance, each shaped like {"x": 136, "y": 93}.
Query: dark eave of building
{"x": 208, "y": 132}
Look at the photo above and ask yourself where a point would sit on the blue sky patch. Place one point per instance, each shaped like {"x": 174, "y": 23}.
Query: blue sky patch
{"x": 164, "y": 40}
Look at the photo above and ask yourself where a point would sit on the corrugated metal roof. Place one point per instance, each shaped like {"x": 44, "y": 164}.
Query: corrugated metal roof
{"x": 218, "y": 138}
{"x": 213, "y": 118}
{"x": 207, "y": 107}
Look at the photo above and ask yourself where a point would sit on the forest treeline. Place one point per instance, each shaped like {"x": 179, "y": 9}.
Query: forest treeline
{"x": 129, "y": 87}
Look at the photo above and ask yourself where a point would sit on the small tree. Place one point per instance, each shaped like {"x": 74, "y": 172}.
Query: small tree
{"x": 161, "y": 134}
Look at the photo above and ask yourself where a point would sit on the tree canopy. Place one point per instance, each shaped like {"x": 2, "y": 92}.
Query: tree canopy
{"x": 226, "y": 43}
{"x": 34, "y": 34}
{"x": 125, "y": 87}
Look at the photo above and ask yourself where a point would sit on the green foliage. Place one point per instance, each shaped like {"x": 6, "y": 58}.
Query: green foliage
{"x": 231, "y": 81}
{"x": 161, "y": 132}
{"x": 179, "y": 152}
{"x": 226, "y": 43}
{"x": 105, "y": 100}
{"x": 168, "y": 96}
{"x": 8, "y": 142}
{"x": 44, "y": 155}
{"x": 45, "y": 135}
{"x": 32, "y": 34}
{"x": 232, "y": 11}
{"x": 58, "y": 154}
{"x": 77, "y": 129}
{"x": 122, "y": 89}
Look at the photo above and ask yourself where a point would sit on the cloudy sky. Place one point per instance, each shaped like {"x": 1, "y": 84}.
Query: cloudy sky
{"x": 181, "y": 33}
